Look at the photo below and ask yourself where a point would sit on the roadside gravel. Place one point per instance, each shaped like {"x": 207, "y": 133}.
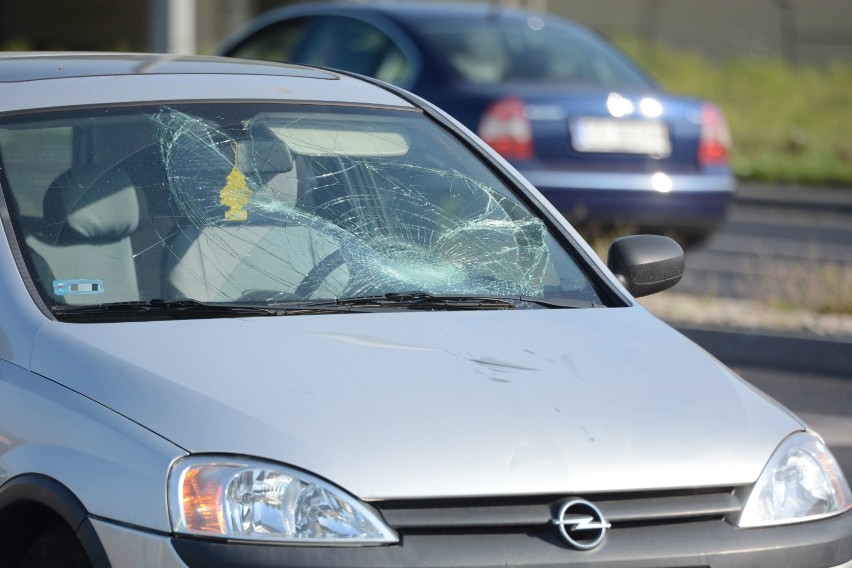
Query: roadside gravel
{"x": 741, "y": 314}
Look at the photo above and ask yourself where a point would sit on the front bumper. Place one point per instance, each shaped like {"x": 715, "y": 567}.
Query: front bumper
{"x": 712, "y": 544}
{"x": 707, "y": 543}
{"x": 128, "y": 547}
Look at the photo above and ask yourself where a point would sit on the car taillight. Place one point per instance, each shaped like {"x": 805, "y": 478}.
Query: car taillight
{"x": 715, "y": 142}
{"x": 505, "y": 127}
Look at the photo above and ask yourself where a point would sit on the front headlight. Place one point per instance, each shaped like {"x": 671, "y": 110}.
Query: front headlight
{"x": 238, "y": 498}
{"x": 801, "y": 482}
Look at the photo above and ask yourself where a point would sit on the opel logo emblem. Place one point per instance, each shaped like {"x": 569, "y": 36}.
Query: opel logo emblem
{"x": 581, "y": 524}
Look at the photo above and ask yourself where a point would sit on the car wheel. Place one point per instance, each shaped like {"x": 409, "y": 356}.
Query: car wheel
{"x": 56, "y": 548}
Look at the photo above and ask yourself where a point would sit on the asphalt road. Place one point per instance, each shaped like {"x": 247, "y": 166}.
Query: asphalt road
{"x": 778, "y": 241}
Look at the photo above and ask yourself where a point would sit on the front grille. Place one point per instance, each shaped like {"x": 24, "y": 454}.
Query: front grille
{"x": 536, "y": 513}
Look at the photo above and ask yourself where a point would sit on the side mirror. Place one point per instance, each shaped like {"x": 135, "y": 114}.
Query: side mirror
{"x": 646, "y": 264}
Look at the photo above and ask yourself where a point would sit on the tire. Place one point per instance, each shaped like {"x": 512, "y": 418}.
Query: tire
{"x": 56, "y": 548}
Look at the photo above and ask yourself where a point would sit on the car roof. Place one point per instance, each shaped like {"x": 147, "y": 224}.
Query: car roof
{"x": 417, "y": 10}
{"x": 408, "y": 10}
{"x": 410, "y": 15}
{"x": 34, "y": 66}
{"x": 61, "y": 79}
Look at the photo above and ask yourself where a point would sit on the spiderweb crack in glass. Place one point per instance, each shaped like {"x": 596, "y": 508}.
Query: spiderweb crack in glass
{"x": 268, "y": 203}
{"x": 392, "y": 230}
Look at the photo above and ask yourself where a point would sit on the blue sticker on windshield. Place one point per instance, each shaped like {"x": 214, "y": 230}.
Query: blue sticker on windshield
{"x": 82, "y": 286}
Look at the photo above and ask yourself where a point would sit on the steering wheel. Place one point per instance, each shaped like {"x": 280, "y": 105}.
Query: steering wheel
{"x": 317, "y": 275}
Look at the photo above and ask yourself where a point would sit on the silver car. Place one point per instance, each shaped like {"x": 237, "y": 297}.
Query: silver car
{"x": 265, "y": 315}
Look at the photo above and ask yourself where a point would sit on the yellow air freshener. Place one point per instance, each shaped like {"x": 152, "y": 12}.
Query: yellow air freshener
{"x": 236, "y": 194}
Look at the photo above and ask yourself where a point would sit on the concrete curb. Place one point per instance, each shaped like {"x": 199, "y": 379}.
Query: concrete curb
{"x": 774, "y": 351}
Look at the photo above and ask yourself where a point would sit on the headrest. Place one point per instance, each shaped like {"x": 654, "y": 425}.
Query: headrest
{"x": 91, "y": 203}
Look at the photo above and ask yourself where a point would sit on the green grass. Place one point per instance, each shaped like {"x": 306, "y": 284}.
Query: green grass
{"x": 789, "y": 124}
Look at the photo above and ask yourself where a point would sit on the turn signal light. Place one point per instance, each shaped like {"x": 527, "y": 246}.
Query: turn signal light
{"x": 202, "y": 502}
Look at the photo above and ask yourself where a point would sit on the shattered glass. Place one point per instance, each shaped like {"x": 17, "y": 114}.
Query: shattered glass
{"x": 254, "y": 203}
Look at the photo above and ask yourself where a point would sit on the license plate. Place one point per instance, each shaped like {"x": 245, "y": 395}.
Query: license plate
{"x": 620, "y": 136}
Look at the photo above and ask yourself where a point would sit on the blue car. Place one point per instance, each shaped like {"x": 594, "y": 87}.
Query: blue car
{"x": 598, "y": 137}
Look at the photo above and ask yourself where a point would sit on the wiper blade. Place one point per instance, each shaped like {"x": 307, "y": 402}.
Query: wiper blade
{"x": 186, "y": 308}
{"x": 425, "y": 301}
{"x": 561, "y": 303}
{"x": 400, "y": 300}
{"x": 159, "y": 309}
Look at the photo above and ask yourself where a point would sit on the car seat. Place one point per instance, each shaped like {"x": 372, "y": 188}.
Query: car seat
{"x": 83, "y": 250}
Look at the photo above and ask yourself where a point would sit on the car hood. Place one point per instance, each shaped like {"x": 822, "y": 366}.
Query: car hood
{"x": 414, "y": 404}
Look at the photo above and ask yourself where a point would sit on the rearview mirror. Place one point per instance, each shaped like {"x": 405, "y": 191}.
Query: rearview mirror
{"x": 646, "y": 264}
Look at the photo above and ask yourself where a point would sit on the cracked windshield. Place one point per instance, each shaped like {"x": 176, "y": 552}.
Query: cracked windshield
{"x": 268, "y": 205}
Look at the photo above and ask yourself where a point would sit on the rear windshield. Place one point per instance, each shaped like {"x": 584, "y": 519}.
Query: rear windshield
{"x": 265, "y": 204}
{"x": 499, "y": 49}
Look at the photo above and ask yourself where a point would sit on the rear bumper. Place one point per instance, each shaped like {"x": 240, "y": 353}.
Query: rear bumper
{"x": 630, "y": 182}
{"x": 710, "y": 544}
{"x": 679, "y": 203}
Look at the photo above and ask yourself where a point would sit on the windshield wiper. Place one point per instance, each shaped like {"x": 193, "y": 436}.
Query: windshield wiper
{"x": 464, "y": 301}
{"x": 186, "y": 308}
{"x": 162, "y": 309}
{"x": 426, "y": 301}
{"x": 417, "y": 300}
